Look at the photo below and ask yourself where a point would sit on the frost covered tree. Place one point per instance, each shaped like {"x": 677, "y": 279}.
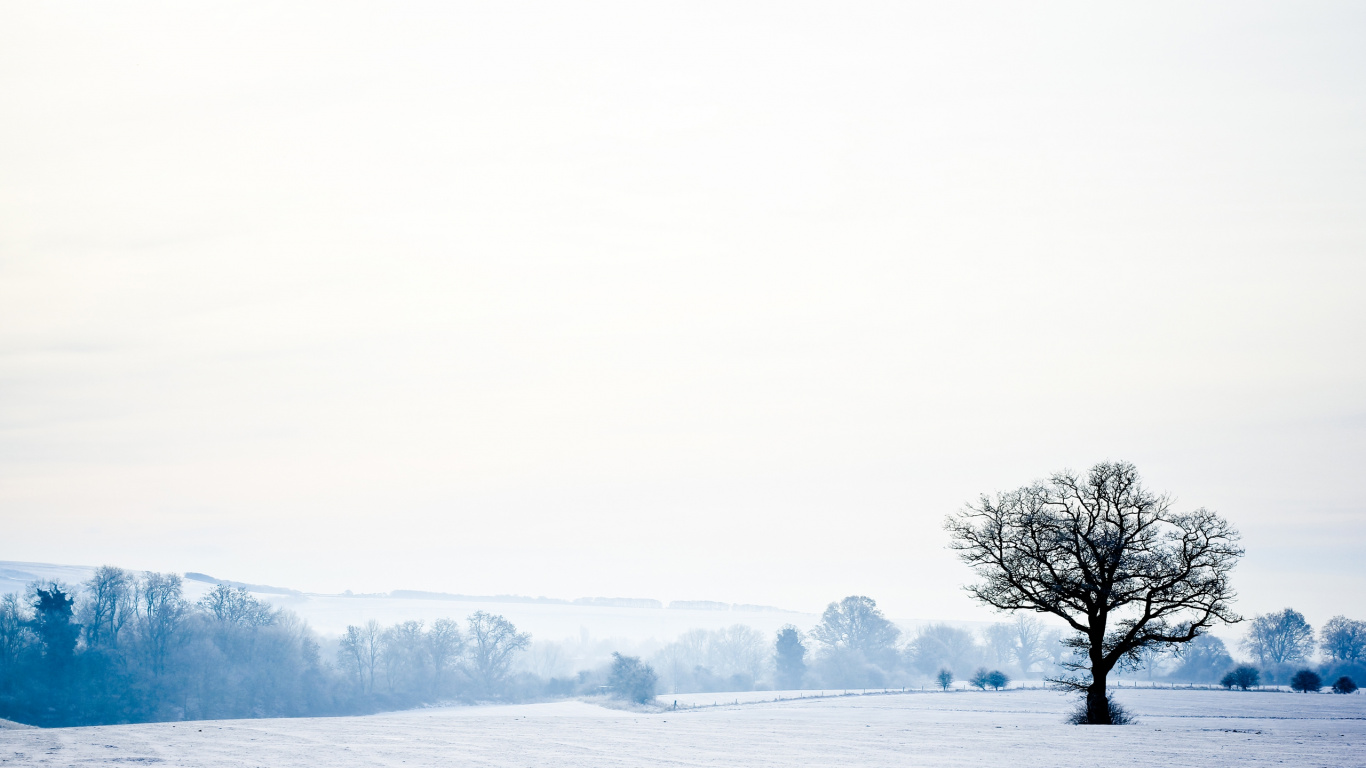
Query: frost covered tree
{"x": 980, "y": 679}
{"x": 738, "y": 653}
{"x": 789, "y": 658}
{"x": 1201, "y": 660}
{"x": 1108, "y": 557}
{"x": 1343, "y": 639}
{"x": 15, "y": 637}
{"x": 359, "y": 653}
{"x": 858, "y": 644}
{"x": 445, "y": 645}
{"x": 1279, "y": 638}
{"x": 855, "y": 623}
{"x": 632, "y": 679}
{"x": 160, "y": 611}
{"x": 999, "y": 641}
{"x": 940, "y": 646}
{"x": 493, "y": 641}
{"x": 944, "y": 678}
{"x": 108, "y": 605}
{"x": 1029, "y": 642}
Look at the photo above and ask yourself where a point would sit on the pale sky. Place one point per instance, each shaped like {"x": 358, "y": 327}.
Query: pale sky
{"x": 728, "y": 301}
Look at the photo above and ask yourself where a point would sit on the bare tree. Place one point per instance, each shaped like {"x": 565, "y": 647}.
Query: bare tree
{"x": 737, "y": 650}
{"x": 1109, "y": 558}
{"x": 1201, "y": 660}
{"x": 493, "y": 640}
{"x": 944, "y": 678}
{"x": 360, "y": 650}
{"x": 404, "y": 653}
{"x": 1279, "y": 638}
{"x": 161, "y": 610}
{"x": 855, "y": 623}
{"x": 1029, "y": 642}
{"x": 15, "y": 636}
{"x": 445, "y": 644}
{"x": 939, "y": 646}
{"x": 235, "y": 606}
{"x": 1343, "y": 639}
{"x": 999, "y": 641}
{"x": 107, "y": 606}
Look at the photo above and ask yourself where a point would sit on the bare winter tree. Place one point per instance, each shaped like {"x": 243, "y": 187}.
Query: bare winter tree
{"x": 1279, "y": 638}
{"x": 108, "y": 605}
{"x": 937, "y": 646}
{"x": 855, "y": 623}
{"x": 161, "y": 610}
{"x": 1108, "y": 557}
{"x": 493, "y": 640}
{"x": 1343, "y": 639}
{"x": 360, "y": 650}
{"x": 1029, "y": 642}
{"x": 15, "y": 634}
{"x": 445, "y": 643}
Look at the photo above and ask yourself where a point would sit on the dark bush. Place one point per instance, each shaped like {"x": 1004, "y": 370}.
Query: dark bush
{"x": 944, "y": 678}
{"x": 1118, "y": 714}
{"x": 632, "y": 679}
{"x": 1242, "y": 677}
{"x": 980, "y": 678}
{"x": 1306, "y": 681}
{"x": 1344, "y": 684}
{"x": 997, "y": 679}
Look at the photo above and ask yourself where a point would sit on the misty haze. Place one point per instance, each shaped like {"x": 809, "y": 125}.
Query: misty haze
{"x": 608, "y": 383}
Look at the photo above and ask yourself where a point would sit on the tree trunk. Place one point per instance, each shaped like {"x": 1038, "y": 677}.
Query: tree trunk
{"x": 1097, "y": 703}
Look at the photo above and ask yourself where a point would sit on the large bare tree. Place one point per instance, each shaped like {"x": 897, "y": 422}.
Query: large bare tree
{"x": 1106, "y": 556}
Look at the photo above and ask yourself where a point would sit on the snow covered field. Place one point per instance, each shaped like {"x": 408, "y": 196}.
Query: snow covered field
{"x": 1019, "y": 728}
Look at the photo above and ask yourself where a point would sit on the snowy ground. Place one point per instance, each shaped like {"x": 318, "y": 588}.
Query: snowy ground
{"x": 1020, "y": 728}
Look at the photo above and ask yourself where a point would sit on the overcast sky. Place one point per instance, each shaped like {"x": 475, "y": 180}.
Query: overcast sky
{"x": 729, "y": 301}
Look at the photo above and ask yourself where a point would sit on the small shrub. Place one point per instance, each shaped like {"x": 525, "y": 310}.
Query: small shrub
{"x": 1306, "y": 681}
{"x": 997, "y": 679}
{"x": 1344, "y": 684}
{"x": 631, "y": 679}
{"x": 980, "y": 678}
{"x": 1242, "y": 677}
{"x": 944, "y": 678}
{"x": 1118, "y": 714}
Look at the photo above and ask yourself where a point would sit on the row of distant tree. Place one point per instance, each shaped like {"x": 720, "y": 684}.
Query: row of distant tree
{"x": 855, "y": 646}
{"x": 128, "y": 647}
{"x": 1279, "y": 644}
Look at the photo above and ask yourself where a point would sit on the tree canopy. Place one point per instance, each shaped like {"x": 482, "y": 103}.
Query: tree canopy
{"x": 1108, "y": 557}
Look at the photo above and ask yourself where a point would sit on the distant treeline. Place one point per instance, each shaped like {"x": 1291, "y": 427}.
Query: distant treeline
{"x": 855, "y": 646}
{"x": 127, "y": 647}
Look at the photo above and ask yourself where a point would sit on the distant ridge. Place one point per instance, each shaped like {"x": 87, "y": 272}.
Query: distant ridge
{"x": 712, "y": 605}
{"x": 620, "y": 602}
{"x": 15, "y": 574}
{"x": 418, "y": 594}
{"x": 263, "y": 589}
